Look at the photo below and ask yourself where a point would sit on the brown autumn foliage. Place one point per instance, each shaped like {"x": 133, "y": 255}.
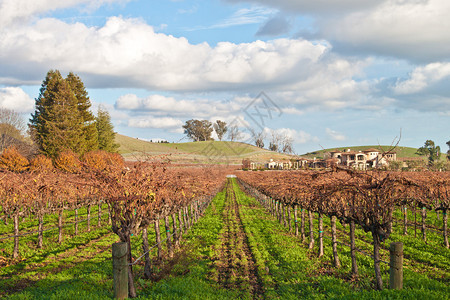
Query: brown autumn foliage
{"x": 101, "y": 160}
{"x": 13, "y": 161}
{"x": 96, "y": 159}
{"x": 41, "y": 163}
{"x": 115, "y": 159}
{"x": 68, "y": 161}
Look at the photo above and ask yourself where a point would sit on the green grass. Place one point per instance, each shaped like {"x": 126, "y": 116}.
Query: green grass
{"x": 130, "y": 145}
{"x": 296, "y": 272}
{"x": 81, "y": 267}
{"x": 191, "y": 279}
{"x": 28, "y": 243}
{"x": 78, "y": 268}
{"x": 195, "y": 152}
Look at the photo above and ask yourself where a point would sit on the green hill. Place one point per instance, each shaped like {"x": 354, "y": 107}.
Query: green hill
{"x": 401, "y": 151}
{"x": 195, "y": 152}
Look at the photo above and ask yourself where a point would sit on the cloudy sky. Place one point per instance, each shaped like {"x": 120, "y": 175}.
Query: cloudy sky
{"x": 332, "y": 72}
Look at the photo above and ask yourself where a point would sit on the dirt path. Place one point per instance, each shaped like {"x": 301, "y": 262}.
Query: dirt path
{"x": 235, "y": 262}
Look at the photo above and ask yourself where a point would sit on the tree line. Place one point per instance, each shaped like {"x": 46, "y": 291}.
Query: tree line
{"x": 62, "y": 121}
{"x": 201, "y": 130}
{"x": 433, "y": 154}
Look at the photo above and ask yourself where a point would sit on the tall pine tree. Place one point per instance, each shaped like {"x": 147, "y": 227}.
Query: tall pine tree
{"x": 105, "y": 129}
{"x": 62, "y": 119}
{"x": 84, "y": 104}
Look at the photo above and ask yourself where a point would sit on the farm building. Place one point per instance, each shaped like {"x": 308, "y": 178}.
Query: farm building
{"x": 369, "y": 158}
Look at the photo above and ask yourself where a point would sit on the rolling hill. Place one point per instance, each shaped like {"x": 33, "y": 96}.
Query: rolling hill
{"x": 195, "y": 152}
{"x": 226, "y": 152}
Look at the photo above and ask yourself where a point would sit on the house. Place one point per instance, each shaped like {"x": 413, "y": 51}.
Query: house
{"x": 256, "y": 165}
{"x": 362, "y": 160}
{"x": 273, "y": 165}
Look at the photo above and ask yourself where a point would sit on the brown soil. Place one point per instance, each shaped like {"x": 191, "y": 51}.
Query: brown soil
{"x": 235, "y": 264}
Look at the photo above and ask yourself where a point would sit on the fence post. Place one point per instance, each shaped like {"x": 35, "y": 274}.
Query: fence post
{"x": 120, "y": 270}
{"x": 396, "y": 266}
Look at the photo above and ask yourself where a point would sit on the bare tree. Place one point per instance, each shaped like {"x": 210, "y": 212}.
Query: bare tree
{"x": 234, "y": 133}
{"x": 286, "y": 144}
{"x": 14, "y": 120}
{"x": 275, "y": 141}
{"x": 258, "y": 138}
{"x": 12, "y": 128}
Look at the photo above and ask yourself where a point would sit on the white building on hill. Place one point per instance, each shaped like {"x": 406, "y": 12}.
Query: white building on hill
{"x": 369, "y": 158}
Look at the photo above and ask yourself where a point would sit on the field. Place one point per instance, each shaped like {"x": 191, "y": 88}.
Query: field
{"x": 196, "y": 152}
{"x": 237, "y": 250}
{"x": 227, "y": 152}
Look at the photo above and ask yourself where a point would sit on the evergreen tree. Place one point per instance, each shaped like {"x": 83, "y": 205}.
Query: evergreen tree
{"x": 61, "y": 120}
{"x": 105, "y": 129}
{"x": 448, "y": 152}
{"x": 432, "y": 151}
{"x": 84, "y": 104}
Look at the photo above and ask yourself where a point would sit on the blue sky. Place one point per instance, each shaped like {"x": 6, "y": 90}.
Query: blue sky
{"x": 342, "y": 72}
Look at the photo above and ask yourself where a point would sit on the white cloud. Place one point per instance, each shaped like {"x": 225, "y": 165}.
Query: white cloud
{"x": 163, "y": 105}
{"x": 334, "y": 135}
{"x": 246, "y": 16}
{"x": 298, "y": 136}
{"x": 299, "y": 74}
{"x": 412, "y": 29}
{"x": 330, "y": 86}
{"x": 16, "y": 99}
{"x": 128, "y": 52}
{"x": 243, "y": 16}
{"x": 14, "y": 11}
{"x": 171, "y": 124}
{"x": 120, "y": 117}
{"x": 408, "y": 29}
{"x": 423, "y": 77}
{"x": 292, "y": 111}
{"x": 160, "y": 103}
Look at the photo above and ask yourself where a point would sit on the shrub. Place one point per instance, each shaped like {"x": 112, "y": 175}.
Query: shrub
{"x": 12, "y": 160}
{"x": 115, "y": 160}
{"x": 102, "y": 160}
{"x": 41, "y": 163}
{"x": 68, "y": 161}
{"x": 96, "y": 159}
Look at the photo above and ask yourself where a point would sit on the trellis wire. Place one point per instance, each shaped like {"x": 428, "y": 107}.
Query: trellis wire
{"x": 52, "y": 228}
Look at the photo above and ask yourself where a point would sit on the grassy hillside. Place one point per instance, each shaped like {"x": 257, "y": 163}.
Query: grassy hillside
{"x": 401, "y": 151}
{"x": 195, "y": 152}
{"x": 225, "y": 152}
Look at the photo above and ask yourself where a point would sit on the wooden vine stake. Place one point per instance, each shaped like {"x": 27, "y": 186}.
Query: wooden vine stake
{"x": 158, "y": 239}
{"x": 396, "y": 266}
{"x": 295, "y": 220}
{"x": 168, "y": 236}
{"x": 16, "y": 236}
{"x": 120, "y": 270}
